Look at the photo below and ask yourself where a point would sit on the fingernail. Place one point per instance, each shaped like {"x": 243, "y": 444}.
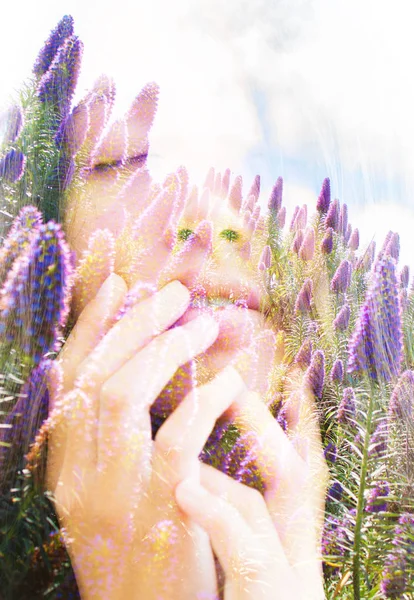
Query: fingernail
{"x": 188, "y": 492}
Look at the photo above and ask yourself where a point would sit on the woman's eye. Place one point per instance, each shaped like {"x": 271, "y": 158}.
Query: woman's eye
{"x": 184, "y": 234}
{"x": 230, "y": 235}
{"x": 109, "y": 166}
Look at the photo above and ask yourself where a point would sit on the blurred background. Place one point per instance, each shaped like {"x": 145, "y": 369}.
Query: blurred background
{"x": 305, "y": 89}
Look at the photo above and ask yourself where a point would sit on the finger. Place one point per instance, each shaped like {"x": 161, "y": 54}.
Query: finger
{"x": 99, "y": 101}
{"x": 242, "y": 555}
{"x": 288, "y": 483}
{"x": 182, "y": 437}
{"x": 92, "y": 324}
{"x": 79, "y": 462}
{"x": 136, "y": 329}
{"x": 248, "y": 501}
{"x": 124, "y": 438}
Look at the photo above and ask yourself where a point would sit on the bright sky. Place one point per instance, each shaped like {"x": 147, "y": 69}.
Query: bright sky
{"x": 299, "y": 88}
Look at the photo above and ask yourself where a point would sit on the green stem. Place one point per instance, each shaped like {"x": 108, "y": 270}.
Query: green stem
{"x": 356, "y": 562}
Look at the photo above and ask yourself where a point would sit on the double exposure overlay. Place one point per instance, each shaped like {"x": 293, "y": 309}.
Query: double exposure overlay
{"x": 302, "y": 299}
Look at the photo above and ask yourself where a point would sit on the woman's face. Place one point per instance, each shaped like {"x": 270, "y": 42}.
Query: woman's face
{"x": 162, "y": 233}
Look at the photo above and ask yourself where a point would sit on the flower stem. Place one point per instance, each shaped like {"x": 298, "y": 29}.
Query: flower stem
{"x": 356, "y": 562}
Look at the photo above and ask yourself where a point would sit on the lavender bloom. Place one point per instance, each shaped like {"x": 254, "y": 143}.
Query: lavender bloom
{"x": 347, "y": 234}
{"x": 343, "y": 220}
{"x": 337, "y": 372}
{"x": 324, "y": 199}
{"x": 315, "y": 374}
{"x": 327, "y": 242}
{"x": 376, "y": 344}
{"x": 301, "y": 217}
{"x": 405, "y": 276}
{"x": 58, "y": 84}
{"x": 347, "y": 406}
{"x": 353, "y": 243}
{"x": 304, "y": 355}
{"x": 379, "y": 439}
{"x": 402, "y": 398}
{"x": 330, "y": 452}
{"x": 375, "y": 502}
{"x": 255, "y": 189}
{"x": 365, "y": 262}
{"x": 404, "y": 535}
{"x": 235, "y": 195}
{"x": 332, "y": 217}
{"x": 265, "y": 258}
{"x": 30, "y": 410}
{"x": 293, "y": 221}
{"x": 303, "y": 300}
{"x": 35, "y": 296}
{"x": 307, "y": 248}
{"x": 63, "y": 30}
{"x": 281, "y": 217}
{"x": 12, "y": 166}
{"x": 21, "y": 231}
{"x": 275, "y": 200}
{"x": 341, "y": 321}
{"x": 14, "y": 123}
{"x": 342, "y": 277}
{"x": 393, "y": 246}
{"x": 394, "y": 578}
{"x": 335, "y": 492}
{"x": 297, "y": 241}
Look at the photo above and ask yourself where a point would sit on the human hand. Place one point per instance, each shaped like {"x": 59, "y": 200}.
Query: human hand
{"x": 113, "y": 486}
{"x": 268, "y": 547}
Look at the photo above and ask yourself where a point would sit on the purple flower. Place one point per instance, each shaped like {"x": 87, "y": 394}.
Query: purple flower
{"x": 394, "y": 578}
{"x": 375, "y": 500}
{"x": 347, "y": 234}
{"x": 307, "y": 248}
{"x": 376, "y": 344}
{"x": 63, "y": 30}
{"x": 324, "y": 199}
{"x": 58, "y": 84}
{"x": 275, "y": 200}
{"x": 332, "y": 217}
{"x": 347, "y": 406}
{"x": 343, "y": 220}
{"x": 405, "y": 276}
{"x": 379, "y": 440}
{"x": 315, "y": 374}
{"x": 235, "y": 195}
{"x": 293, "y": 221}
{"x": 330, "y": 452}
{"x": 393, "y": 246}
{"x": 304, "y": 355}
{"x": 402, "y": 398}
{"x": 297, "y": 241}
{"x": 26, "y": 417}
{"x": 255, "y": 189}
{"x": 12, "y": 166}
{"x": 327, "y": 242}
{"x": 35, "y": 297}
{"x": 301, "y": 218}
{"x": 303, "y": 300}
{"x": 23, "y": 228}
{"x": 341, "y": 321}
{"x": 342, "y": 277}
{"x": 365, "y": 262}
{"x": 14, "y": 123}
{"x": 265, "y": 258}
{"x": 337, "y": 372}
{"x": 353, "y": 243}
{"x": 30, "y": 410}
{"x": 281, "y": 217}
{"x": 335, "y": 492}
